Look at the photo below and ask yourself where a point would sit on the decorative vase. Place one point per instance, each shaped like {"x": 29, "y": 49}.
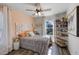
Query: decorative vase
{"x": 16, "y": 45}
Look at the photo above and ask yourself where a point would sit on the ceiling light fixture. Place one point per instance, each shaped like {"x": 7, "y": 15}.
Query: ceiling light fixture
{"x": 38, "y": 14}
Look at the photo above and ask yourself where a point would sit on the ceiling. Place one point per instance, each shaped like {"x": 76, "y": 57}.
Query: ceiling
{"x": 56, "y": 7}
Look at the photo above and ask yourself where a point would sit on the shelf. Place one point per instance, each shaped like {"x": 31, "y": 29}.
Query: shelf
{"x": 61, "y": 32}
{"x": 60, "y": 44}
{"x": 62, "y": 38}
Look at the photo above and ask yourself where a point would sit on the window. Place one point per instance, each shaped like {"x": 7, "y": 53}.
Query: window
{"x": 49, "y": 27}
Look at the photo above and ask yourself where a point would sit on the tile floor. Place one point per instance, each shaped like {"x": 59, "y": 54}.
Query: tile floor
{"x": 53, "y": 50}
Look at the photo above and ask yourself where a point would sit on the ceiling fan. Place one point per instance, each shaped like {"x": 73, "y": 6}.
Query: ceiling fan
{"x": 38, "y": 10}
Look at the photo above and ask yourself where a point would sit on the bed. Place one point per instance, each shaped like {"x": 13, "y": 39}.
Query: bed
{"x": 36, "y": 43}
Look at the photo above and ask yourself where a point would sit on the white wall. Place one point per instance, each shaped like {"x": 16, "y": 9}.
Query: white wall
{"x": 73, "y": 44}
{"x": 38, "y": 24}
{"x": 73, "y": 41}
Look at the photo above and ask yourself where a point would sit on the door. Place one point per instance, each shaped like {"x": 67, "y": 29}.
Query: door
{"x": 3, "y": 37}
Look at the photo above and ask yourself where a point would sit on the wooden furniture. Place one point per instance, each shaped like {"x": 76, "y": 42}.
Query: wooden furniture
{"x": 61, "y": 41}
{"x": 61, "y": 32}
{"x": 61, "y": 27}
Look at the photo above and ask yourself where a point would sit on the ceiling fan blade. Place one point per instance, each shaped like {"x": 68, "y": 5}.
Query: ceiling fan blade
{"x": 37, "y": 14}
{"x": 33, "y": 14}
{"x": 46, "y": 10}
{"x": 29, "y": 10}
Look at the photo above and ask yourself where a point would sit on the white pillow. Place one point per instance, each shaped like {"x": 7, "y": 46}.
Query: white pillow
{"x": 31, "y": 33}
{"x": 46, "y": 36}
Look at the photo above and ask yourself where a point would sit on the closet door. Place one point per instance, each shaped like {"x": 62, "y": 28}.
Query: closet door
{"x": 3, "y": 37}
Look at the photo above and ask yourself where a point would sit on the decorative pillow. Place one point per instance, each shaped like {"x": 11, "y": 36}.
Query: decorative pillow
{"x": 36, "y": 32}
{"x": 31, "y": 34}
{"x": 23, "y": 34}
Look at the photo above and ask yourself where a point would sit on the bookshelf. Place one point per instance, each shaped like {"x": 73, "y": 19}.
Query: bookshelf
{"x": 61, "y": 32}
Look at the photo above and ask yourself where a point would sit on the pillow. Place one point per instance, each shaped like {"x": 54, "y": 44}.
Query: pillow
{"x": 31, "y": 34}
{"x": 36, "y": 32}
{"x": 23, "y": 34}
